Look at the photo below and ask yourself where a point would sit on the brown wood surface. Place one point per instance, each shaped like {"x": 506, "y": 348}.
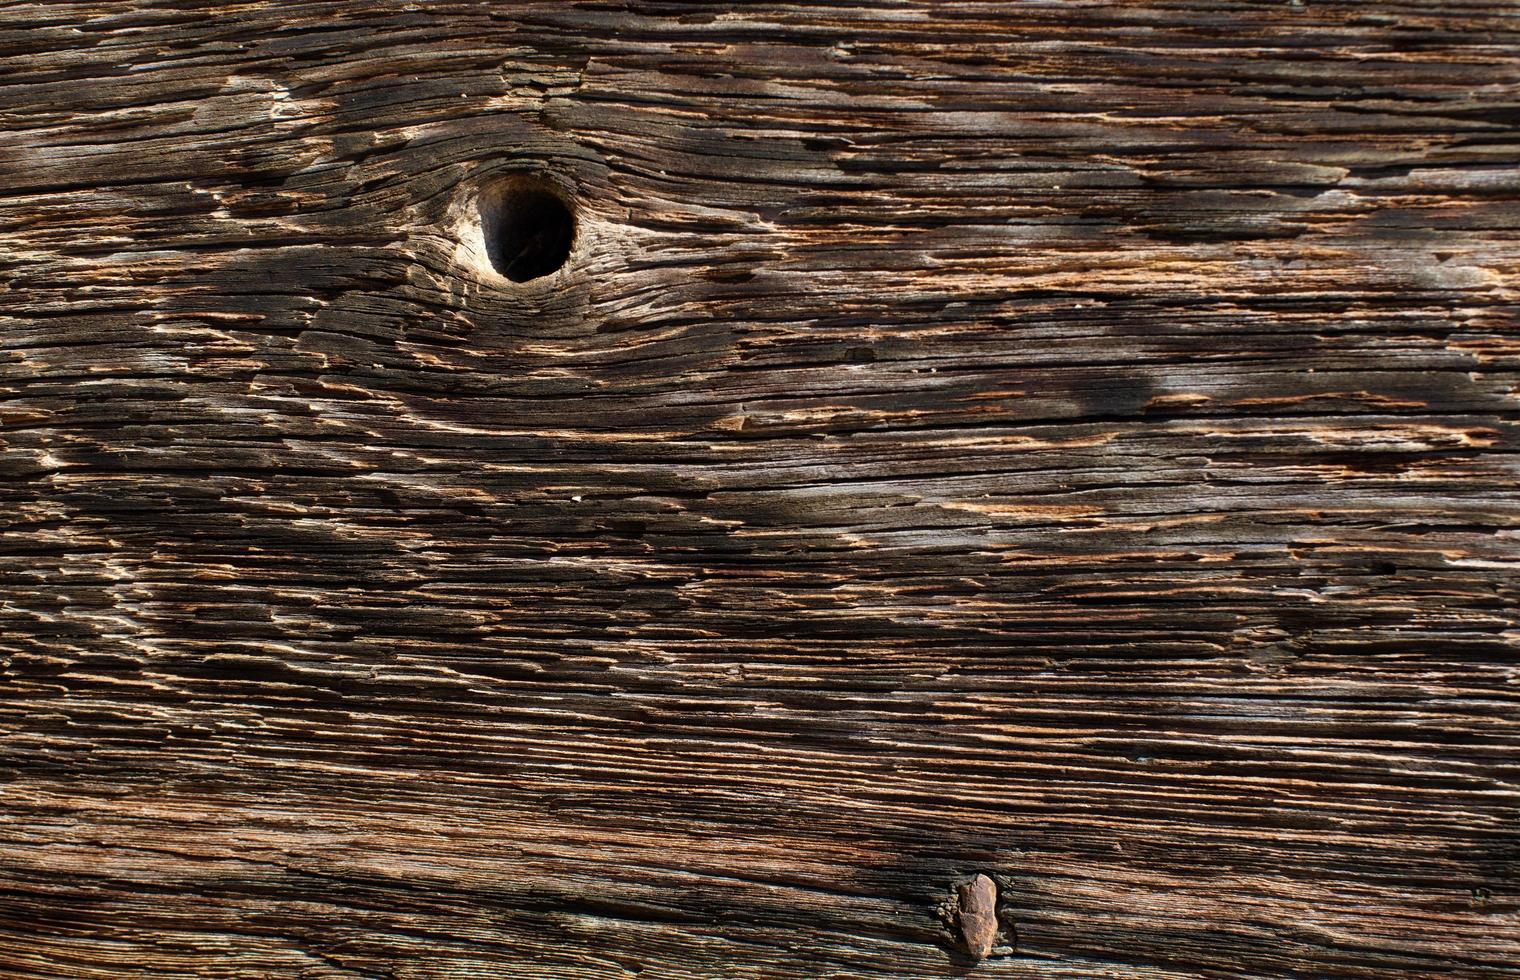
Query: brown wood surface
{"x": 1069, "y": 443}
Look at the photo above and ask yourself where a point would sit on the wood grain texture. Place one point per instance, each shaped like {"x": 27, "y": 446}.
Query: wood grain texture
{"x": 1074, "y": 443}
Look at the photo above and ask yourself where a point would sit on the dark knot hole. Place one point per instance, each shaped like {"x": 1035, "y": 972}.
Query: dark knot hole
{"x": 528, "y": 229}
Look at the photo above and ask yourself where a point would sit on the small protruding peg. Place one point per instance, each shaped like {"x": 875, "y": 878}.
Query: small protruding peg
{"x": 977, "y": 915}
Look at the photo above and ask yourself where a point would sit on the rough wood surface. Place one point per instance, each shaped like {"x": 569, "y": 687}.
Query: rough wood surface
{"x": 1065, "y": 442}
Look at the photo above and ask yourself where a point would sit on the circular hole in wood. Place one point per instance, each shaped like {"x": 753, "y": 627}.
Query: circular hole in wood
{"x": 528, "y": 228}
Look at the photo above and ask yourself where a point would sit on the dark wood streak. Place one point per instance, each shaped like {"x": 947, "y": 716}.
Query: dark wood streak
{"x": 1069, "y": 442}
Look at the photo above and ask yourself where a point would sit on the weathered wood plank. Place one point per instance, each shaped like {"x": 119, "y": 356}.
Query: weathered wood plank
{"x": 1072, "y": 443}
